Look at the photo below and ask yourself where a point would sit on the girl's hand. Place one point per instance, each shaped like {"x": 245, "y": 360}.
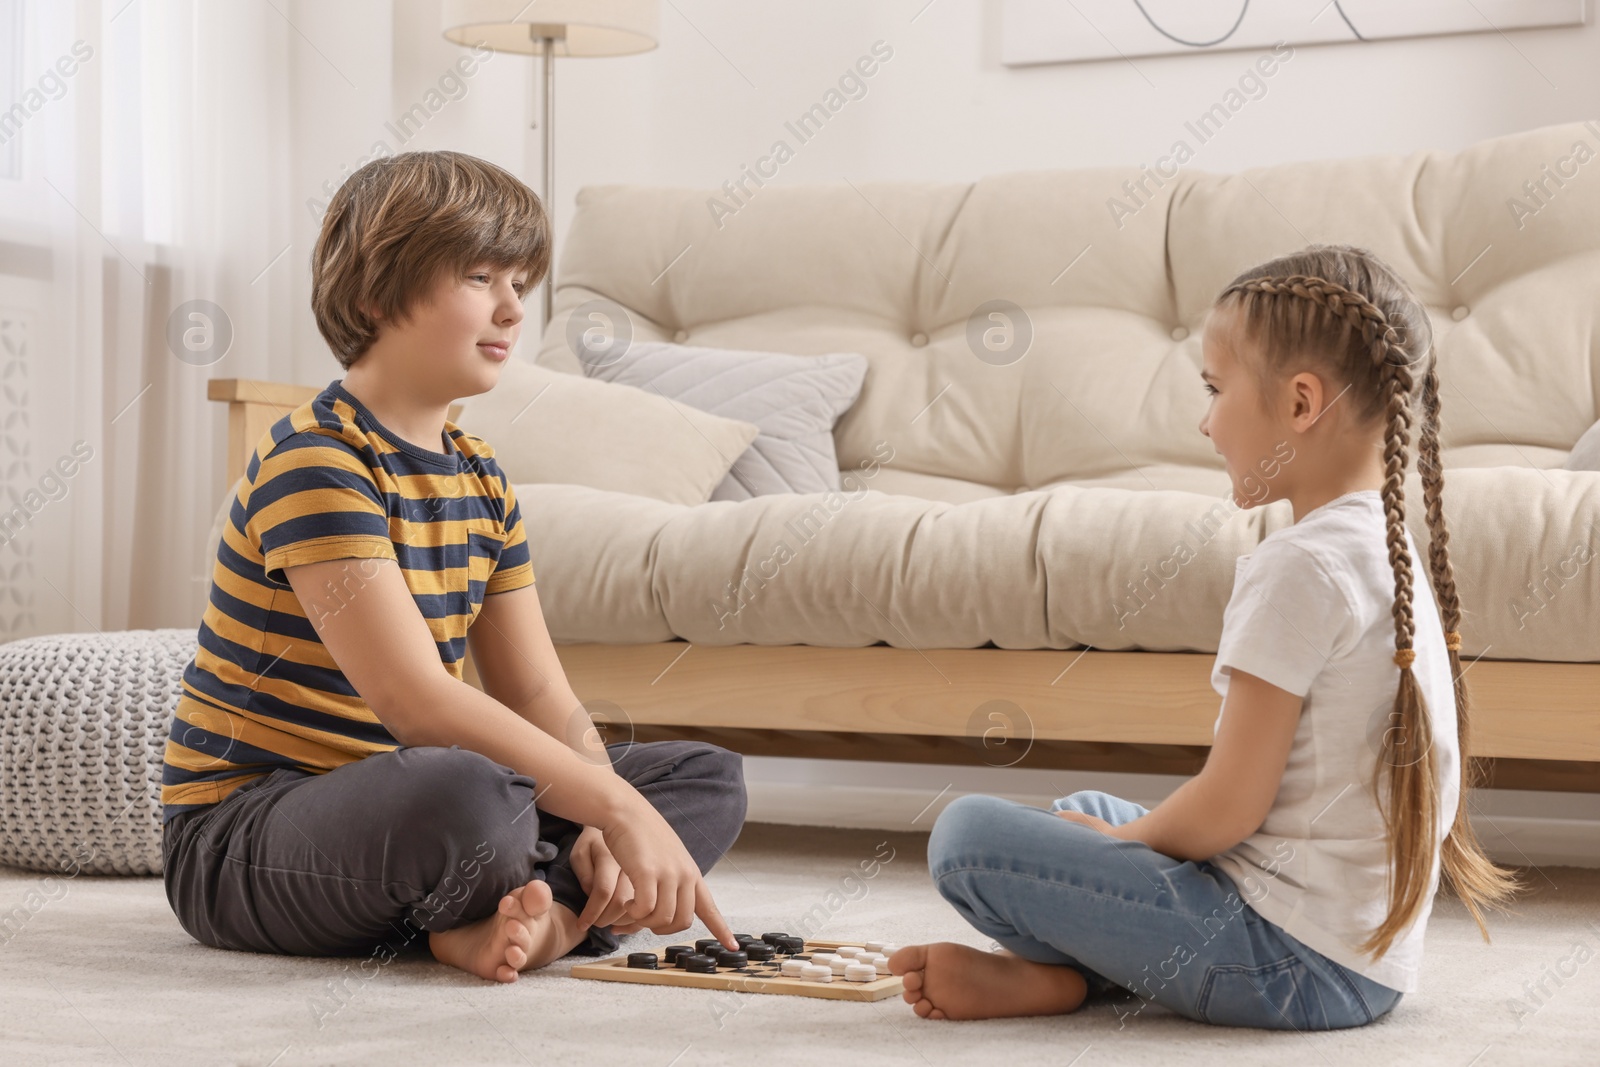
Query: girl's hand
{"x": 1088, "y": 820}
{"x": 601, "y": 877}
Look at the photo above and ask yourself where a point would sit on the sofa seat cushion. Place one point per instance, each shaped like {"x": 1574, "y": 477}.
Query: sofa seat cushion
{"x": 924, "y": 486}
{"x": 1061, "y": 568}
{"x": 1207, "y": 481}
{"x": 1501, "y": 454}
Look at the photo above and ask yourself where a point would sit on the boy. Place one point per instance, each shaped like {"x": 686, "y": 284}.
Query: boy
{"x": 332, "y": 785}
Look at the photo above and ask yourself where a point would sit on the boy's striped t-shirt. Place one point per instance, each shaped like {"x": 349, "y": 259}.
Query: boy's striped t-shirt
{"x": 328, "y": 481}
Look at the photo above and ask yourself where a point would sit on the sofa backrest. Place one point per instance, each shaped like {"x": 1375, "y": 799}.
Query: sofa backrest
{"x": 1114, "y": 271}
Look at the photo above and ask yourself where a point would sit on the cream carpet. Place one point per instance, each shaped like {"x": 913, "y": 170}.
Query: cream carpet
{"x": 99, "y": 972}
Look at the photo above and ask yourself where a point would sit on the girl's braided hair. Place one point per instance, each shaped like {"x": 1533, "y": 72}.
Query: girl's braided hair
{"x": 1341, "y": 311}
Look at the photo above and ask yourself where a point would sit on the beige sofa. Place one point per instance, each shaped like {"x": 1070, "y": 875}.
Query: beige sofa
{"x": 1009, "y": 587}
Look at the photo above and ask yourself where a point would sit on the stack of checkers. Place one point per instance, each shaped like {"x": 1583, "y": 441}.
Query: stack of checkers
{"x": 772, "y": 954}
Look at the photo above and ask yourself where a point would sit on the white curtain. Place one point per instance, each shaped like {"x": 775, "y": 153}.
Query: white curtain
{"x": 155, "y": 154}
{"x": 145, "y": 167}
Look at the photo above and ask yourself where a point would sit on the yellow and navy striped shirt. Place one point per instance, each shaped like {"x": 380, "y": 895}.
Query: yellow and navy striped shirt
{"x": 328, "y": 481}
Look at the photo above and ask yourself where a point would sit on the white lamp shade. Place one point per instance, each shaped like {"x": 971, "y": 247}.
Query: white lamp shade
{"x": 592, "y": 27}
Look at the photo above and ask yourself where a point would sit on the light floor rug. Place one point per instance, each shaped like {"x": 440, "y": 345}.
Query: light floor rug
{"x": 101, "y": 973}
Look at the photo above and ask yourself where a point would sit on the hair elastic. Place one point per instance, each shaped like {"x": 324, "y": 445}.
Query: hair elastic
{"x": 1405, "y": 657}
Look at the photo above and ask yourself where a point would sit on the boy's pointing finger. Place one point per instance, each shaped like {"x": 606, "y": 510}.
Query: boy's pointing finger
{"x": 706, "y": 909}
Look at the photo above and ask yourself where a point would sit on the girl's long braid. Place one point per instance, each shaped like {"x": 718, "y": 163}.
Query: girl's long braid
{"x": 1466, "y": 868}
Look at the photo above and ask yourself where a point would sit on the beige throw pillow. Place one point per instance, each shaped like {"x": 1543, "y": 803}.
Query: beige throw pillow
{"x": 551, "y": 426}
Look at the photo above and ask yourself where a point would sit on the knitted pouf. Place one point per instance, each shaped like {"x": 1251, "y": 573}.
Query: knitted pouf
{"x": 83, "y": 727}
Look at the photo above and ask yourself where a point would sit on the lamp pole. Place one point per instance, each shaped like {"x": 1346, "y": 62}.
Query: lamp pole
{"x": 546, "y": 36}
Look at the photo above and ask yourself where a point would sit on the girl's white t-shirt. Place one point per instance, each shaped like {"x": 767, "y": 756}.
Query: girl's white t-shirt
{"x": 1312, "y": 613}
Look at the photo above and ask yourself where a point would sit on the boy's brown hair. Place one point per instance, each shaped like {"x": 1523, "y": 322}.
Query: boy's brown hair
{"x": 1341, "y": 310}
{"x": 401, "y": 222}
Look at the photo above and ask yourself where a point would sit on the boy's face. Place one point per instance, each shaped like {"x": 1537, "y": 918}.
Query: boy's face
{"x": 1252, "y": 443}
{"x": 451, "y": 339}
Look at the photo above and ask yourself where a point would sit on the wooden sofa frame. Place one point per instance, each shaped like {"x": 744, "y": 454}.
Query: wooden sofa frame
{"x": 1149, "y": 712}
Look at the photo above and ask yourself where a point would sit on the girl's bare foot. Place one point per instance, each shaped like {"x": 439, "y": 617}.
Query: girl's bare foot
{"x": 527, "y": 930}
{"x": 949, "y": 981}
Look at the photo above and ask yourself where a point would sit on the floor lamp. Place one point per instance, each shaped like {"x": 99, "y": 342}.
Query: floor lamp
{"x": 550, "y": 28}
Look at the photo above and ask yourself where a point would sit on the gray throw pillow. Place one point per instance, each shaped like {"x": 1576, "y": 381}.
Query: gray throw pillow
{"x": 1586, "y": 453}
{"x": 795, "y": 400}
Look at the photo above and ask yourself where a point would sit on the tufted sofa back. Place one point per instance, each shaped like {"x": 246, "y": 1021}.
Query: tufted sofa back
{"x": 1107, "y": 276}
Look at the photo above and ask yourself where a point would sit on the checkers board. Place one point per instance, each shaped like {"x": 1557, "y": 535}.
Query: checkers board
{"x": 753, "y": 976}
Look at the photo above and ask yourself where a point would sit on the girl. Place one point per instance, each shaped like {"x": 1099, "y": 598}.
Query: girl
{"x": 1289, "y": 883}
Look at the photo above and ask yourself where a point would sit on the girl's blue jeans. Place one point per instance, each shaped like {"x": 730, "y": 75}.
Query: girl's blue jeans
{"x": 1174, "y": 932}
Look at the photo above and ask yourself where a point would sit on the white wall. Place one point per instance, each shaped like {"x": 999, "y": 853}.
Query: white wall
{"x": 716, "y": 93}
{"x": 727, "y": 74}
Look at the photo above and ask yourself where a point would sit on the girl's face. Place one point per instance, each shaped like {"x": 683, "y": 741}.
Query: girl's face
{"x": 1252, "y": 443}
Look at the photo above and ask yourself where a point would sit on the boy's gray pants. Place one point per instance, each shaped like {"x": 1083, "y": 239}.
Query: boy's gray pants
{"x": 378, "y": 851}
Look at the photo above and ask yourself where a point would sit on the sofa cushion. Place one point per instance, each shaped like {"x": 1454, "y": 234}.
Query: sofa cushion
{"x": 547, "y": 426}
{"x": 1115, "y": 569}
{"x": 794, "y": 399}
{"x": 929, "y": 486}
{"x": 1113, "y": 304}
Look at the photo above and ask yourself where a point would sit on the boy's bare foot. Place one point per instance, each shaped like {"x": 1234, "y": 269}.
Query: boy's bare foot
{"x": 950, "y": 981}
{"x": 527, "y": 931}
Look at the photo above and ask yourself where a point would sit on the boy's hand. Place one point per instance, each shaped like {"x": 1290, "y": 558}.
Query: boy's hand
{"x": 668, "y": 890}
{"x": 601, "y": 877}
